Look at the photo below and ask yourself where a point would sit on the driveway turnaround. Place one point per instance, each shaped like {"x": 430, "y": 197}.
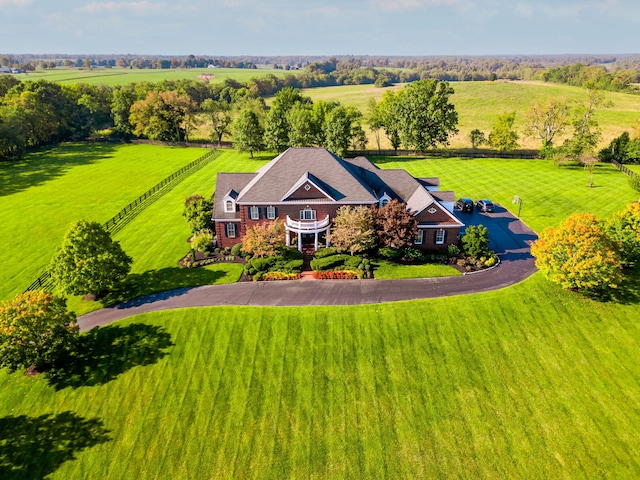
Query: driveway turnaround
{"x": 510, "y": 238}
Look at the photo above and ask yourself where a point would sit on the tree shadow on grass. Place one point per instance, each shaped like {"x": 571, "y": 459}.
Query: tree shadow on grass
{"x": 153, "y": 281}
{"x": 49, "y": 163}
{"x": 106, "y": 352}
{"x": 32, "y": 448}
{"x": 628, "y": 293}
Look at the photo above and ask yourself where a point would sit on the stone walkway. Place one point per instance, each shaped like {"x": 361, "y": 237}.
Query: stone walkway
{"x": 510, "y": 238}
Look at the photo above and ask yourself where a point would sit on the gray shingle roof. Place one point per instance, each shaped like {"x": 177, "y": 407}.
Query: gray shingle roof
{"x": 275, "y": 179}
{"x": 228, "y": 183}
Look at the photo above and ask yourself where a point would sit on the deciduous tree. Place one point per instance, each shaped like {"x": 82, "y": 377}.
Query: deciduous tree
{"x": 546, "y": 119}
{"x": 89, "y": 261}
{"x": 198, "y": 211}
{"x": 503, "y": 136}
{"x": 264, "y": 239}
{"x": 477, "y": 138}
{"x": 218, "y": 113}
{"x": 248, "y": 133}
{"x": 352, "y": 230}
{"x": 624, "y": 229}
{"x": 163, "y": 116}
{"x": 36, "y": 329}
{"x": 579, "y": 255}
{"x": 395, "y": 226}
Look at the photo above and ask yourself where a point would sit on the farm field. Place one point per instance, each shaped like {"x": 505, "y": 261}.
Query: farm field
{"x": 122, "y": 76}
{"x": 478, "y": 104}
{"x": 93, "y": 181}
{"x": 48, "y": 190}
{"x": 527, "y": 382}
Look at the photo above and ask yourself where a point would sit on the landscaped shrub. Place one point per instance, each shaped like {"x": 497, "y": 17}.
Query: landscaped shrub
{"x": 291, "y": 253}
{"x": 453, "y": 250}
{"x": 263, "y": 264}
{"x": 335, "y": 261}
{"x": 325, "y": 252}
{"x": 490, "y": 262}
{"x": 202, "y": 241}
{"x": 258, "y": 276}
{"x": 411, "y": 254}
{"x": 390, "y": 253}
{"x": 292, "y": 266}
{"x": 236, "y": 249}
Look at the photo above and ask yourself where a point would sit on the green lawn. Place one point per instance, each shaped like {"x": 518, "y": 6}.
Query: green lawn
{"x": 385, "y": 270}
{"x": 123, "y": 76}
{"x": 528, "y": 382}
{"x": 48, "y": 190}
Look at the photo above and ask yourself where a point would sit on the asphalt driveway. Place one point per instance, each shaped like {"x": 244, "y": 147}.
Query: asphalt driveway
{"x": 509, "y": 237}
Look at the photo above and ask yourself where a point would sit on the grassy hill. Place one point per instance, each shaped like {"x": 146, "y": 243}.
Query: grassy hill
{"x": 478, "y": 104}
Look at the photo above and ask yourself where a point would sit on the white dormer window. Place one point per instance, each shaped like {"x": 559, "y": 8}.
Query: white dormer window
{"x": 384, "y": 200}
{"x": 229, "y": 206}
{"x": 254, "y": 213}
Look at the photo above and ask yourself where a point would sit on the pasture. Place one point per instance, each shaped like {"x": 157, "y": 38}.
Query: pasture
{"x": 478, "y": 104}
{"x": 122, "y": 76}
{"x": 527, "y": 382}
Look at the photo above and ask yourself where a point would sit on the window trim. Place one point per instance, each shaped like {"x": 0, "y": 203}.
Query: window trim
{"x": 230, "y": 230}
{"x": 271, "y": 212}
{"x": 419, "y": 237}
{"x": 254, "y": 213}
{"x": 304, "y": 211}
{"x": 229, "y": 206}
{"x": 441, "y": 236}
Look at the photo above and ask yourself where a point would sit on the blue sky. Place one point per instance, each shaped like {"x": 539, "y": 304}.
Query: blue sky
{"x": 347, "y": 27}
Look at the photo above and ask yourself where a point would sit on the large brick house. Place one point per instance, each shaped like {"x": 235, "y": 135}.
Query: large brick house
{"x": 304, "y": 187}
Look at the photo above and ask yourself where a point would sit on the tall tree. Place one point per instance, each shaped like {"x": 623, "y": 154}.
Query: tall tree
{"x": 89, "y": 261}
{"x": 338, "y": 131}
{"x": 218, "y": 112}
{"x": 503, "y": 136}
{"x": 247, "y": 132}
{"x": 624, "y": 229}
{"x": 477, "y": 138}
{"x": 277, "y": 125}
{"x": 197, "y": 211}
{"x": 36, "y": 329}
{"x": 302, "y": 129}
{"x": 546, "y": 119}
{"x": 425, "y": 115}
{"x": 390, "y": 118}
{"x": 163, "y": 116}
{"x": 586, "y": 131}
{"x": 375, "y": 119}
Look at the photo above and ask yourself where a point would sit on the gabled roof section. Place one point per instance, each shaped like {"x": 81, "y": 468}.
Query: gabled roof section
{"x": 331, "y": 174}
{"x": 420, "y": 200}
{"x": 314, "y": 186}
{"x": 228, "y": 185}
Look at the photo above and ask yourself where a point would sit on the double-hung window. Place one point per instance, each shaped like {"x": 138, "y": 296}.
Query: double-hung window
{"x": 307, "y": 214}
{"x": 229, "y": 206}
{"x": 419, "y": 239}
{"x": 271, "y": 213}
{"x": 231, "y": 230}
{"x": 440, "y": 236}
{"x": 254, "y": 213}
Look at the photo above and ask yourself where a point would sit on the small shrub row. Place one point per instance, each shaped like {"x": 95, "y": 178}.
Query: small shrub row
{"x": 335, "y": 262}
{"x": 325, "y": 252}
{"x": 338, "y": 275}
{"x": 470, "y": 263}
{"x": 271, "y": 276}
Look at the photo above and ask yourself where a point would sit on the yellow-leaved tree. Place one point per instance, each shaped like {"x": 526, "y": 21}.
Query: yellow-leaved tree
{"x": 579, "y": 255}
{"x": 264, "y": 239}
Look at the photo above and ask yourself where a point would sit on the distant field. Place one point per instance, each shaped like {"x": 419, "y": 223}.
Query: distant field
{"x": 122, "y": 76}
{"x": 478, "y": 104}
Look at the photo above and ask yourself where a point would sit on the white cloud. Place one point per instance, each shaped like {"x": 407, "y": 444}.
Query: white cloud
{"x": 16, "y": 3}
{"x": 399, "y": 5}
{"x": 143, "y": 7}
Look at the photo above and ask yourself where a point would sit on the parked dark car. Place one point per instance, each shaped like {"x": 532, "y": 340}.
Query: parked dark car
{"x": 465, "y": 204}
{"x": 484, "y": 205}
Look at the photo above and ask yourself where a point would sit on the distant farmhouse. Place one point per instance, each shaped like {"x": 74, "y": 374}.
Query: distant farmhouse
{"x": 304, "y": 187}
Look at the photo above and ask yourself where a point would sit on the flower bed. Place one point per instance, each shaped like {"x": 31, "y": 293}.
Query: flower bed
{"x": 276, "y": 276}
{"x": 338, "y": 275}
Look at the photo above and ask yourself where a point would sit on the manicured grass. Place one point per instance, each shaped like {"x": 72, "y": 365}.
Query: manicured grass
{"x": 527, "y": 382}
{"x": 478, "y": 104}
{"x": 123, "y": 76}
{"x": 385, "y": 270}
{"x": 549, "y": 193}
{"x": 47, "y": 191}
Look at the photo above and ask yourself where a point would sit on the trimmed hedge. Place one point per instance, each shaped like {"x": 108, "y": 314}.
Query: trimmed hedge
{"x": 390, "y": 253}
{"x": 335, "y": 262}
{"x": 291, "y": 253}
{"x": 325, "y": 252}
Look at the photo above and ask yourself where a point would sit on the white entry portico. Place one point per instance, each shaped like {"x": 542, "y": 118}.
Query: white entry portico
{"x": 313, "y": 227}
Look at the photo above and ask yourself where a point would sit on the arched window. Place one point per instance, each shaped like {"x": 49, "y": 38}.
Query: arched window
{"x": 229, "y": 206}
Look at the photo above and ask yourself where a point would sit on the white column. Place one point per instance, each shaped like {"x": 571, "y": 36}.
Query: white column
{"x": 299, "y": 241}
{"x": 326, "y": 236}
{"x": 316, "y": 241}
{"x": 288, "y": 238}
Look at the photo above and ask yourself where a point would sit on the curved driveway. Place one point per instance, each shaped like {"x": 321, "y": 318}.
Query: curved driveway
{"x": 510, "y": 238}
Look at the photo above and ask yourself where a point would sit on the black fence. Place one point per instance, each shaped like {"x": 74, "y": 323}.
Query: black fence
{"x": 128, "y": 213}
{"x": 449, "y": 152}
{"x": 623, "y": 169}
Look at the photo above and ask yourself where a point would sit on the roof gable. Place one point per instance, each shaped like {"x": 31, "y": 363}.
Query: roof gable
{"x": 308, "y": 188}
